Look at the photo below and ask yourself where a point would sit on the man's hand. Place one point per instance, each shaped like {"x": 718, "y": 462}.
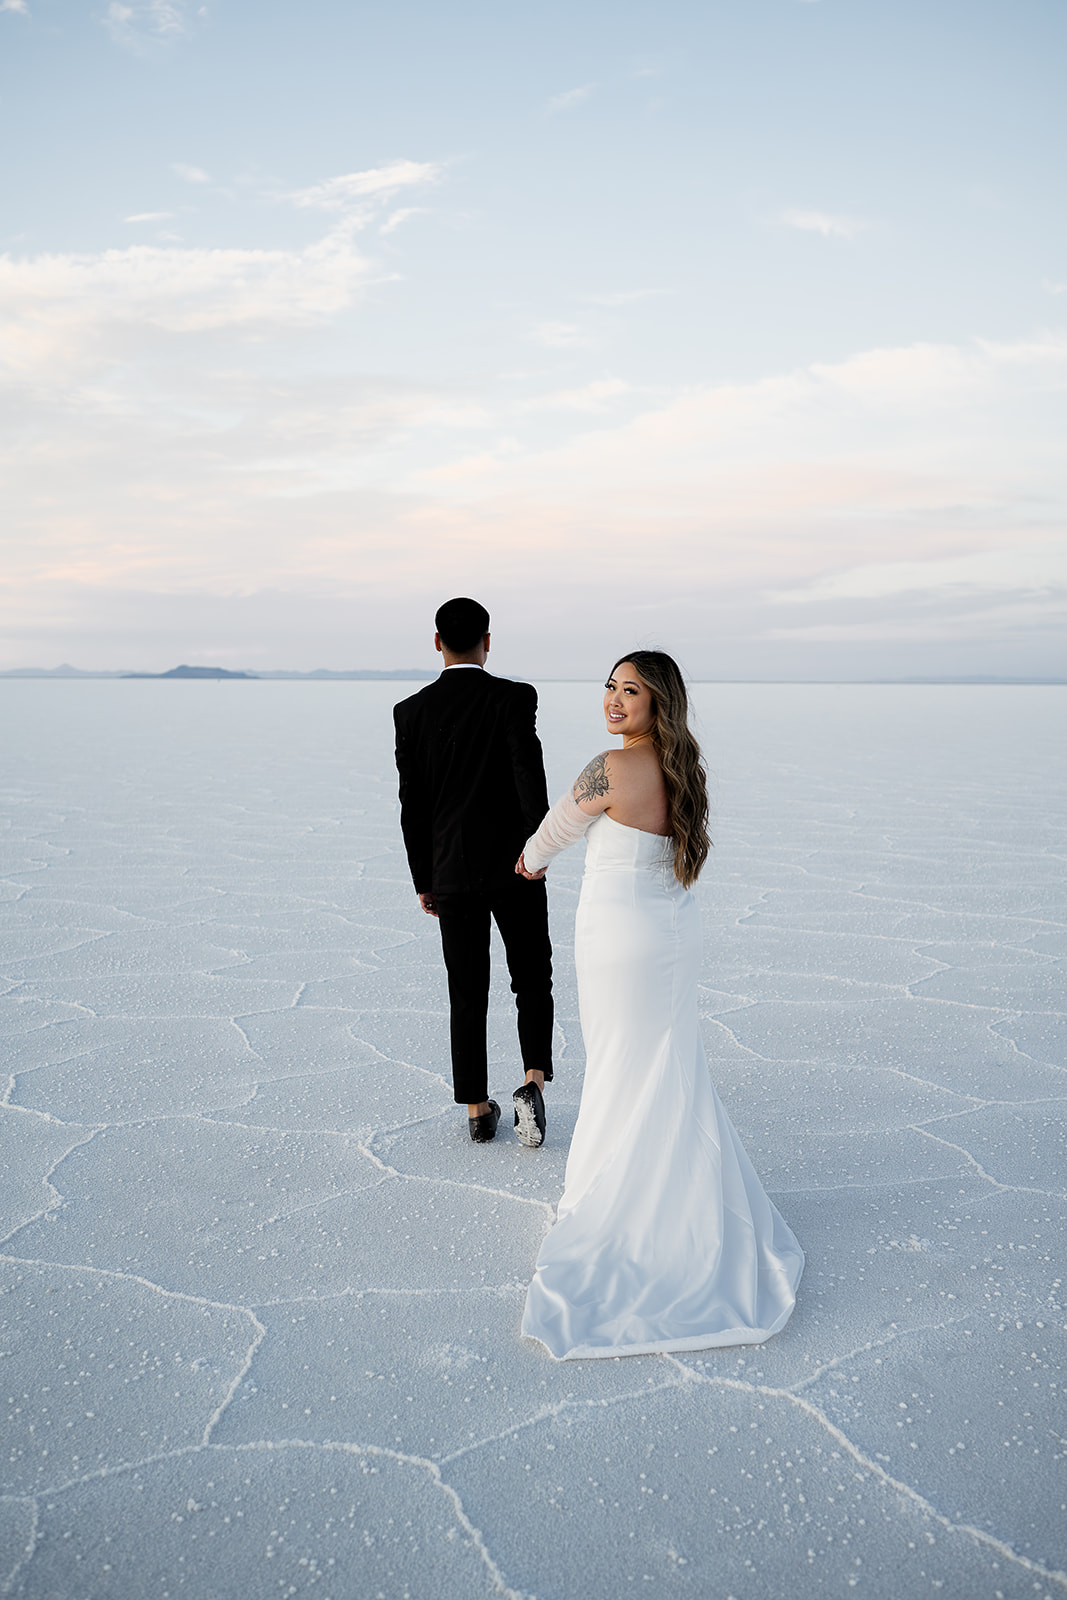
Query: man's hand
{"x": 520, "y": 868}
{"x": 428, "y": 902}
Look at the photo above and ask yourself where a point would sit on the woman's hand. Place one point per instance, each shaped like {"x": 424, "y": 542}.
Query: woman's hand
{"x": 520, "y": 868}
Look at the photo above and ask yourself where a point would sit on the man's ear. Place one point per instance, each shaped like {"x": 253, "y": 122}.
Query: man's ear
{"x": 485, "y": 641}
{"x": 437, "y": 642}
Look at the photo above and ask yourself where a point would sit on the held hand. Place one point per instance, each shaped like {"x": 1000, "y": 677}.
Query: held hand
{"x": 428, "y": 902}
{"x": 520, "y": 868}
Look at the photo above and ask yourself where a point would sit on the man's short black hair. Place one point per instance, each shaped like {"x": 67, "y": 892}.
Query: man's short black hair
{"x": 462, "y": 624}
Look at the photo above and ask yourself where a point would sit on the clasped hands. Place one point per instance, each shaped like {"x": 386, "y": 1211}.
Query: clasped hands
{"x": 428, "y": 902}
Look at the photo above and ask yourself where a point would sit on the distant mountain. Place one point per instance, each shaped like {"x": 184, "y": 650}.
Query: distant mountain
{"x": 65, "y": 671}
{"x": 190, "y": 672}
{"x": 319, "y": 675}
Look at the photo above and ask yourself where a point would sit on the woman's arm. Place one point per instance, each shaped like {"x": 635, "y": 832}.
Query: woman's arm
{"x": 570, "y": 817}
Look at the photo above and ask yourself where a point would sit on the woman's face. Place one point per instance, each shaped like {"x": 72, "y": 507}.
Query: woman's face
{"x": 628, "y": 707}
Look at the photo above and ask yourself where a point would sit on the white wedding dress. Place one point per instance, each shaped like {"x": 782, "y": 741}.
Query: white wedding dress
{"x": 665, "y": 1239}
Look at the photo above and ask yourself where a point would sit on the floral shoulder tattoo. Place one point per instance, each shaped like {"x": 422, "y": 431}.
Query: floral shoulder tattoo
{"x": 593, "y": 783}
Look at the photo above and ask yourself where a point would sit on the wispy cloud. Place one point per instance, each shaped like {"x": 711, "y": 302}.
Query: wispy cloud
{"x": 569, "y": 99}
{"x": 188, "y": 174}
{"x": 1030, "y": 568}
{"x": 624, "y": 297}
{"x": 593, "y": 398}
{"x": 395, "y": 218}
{"x": 150, "y": 216}
{"x": 830, "y": 227}
{"x": 560, "y": 335}
{"x": 1053, "y": 288}
{"x": 144, "y": 22}
{"x": 341, "y": 193}
{"x": 984, "y": 620}
{"x": 62, "y": 310}
{"x": 15, "y": 5}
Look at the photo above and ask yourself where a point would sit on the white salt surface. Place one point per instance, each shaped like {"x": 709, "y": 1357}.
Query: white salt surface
{"x": 261, "y": 1295}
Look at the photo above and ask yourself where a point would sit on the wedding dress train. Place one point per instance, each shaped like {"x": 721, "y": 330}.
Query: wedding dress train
{"x": 665, "y": 1239}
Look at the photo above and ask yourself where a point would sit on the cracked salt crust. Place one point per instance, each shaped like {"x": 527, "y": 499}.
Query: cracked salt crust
{"x": 259, "y": 1294}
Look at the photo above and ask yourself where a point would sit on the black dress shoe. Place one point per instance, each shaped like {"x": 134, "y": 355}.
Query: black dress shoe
{"x": 530, "y": 1116}
{"x": 483, "y": 1128}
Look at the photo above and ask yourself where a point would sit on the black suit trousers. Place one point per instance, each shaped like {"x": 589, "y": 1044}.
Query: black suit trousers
{"x": 520, "y": 910}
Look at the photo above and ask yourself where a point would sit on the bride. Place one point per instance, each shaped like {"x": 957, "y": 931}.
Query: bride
{"x": 664, "y": 1239}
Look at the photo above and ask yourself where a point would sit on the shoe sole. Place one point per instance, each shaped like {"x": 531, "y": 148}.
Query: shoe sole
{"x": 526, "y": 1124}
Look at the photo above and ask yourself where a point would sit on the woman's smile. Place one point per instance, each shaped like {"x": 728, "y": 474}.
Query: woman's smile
{"x": 628, "y": 706}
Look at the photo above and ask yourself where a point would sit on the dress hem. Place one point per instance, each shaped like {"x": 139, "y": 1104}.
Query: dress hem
{"x": 658, "y": 1347}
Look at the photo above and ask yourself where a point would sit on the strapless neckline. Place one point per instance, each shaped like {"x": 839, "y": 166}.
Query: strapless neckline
{"x": 631, "y": 829}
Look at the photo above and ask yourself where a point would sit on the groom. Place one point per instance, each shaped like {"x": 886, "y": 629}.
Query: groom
{"x": 472, "y": 791}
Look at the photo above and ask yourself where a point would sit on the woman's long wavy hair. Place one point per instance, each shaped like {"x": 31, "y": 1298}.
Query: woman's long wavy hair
{"x": 680, "y": 758}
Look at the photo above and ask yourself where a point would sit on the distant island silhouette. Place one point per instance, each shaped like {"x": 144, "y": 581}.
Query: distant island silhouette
{"x": 190, "y": 672}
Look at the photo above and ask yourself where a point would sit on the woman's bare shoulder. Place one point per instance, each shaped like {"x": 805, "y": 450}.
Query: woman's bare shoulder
{"x": 593, "y": 783}
{"x": 638, "y": 764}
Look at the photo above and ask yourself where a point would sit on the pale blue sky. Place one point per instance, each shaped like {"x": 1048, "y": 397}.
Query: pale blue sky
{"x": 738, "y": 328}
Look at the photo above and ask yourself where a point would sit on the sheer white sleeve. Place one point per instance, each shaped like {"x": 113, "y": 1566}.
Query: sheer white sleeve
{"x": 564, "y": 825}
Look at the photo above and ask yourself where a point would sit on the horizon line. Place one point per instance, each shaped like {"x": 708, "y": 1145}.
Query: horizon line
{"x": 67, "y": 673}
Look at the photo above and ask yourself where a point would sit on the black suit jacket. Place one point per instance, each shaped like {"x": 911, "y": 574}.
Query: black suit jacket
{"x": 472, "y": 779}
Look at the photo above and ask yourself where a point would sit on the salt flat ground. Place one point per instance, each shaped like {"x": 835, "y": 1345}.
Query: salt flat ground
{"x": 261, "y": 1295}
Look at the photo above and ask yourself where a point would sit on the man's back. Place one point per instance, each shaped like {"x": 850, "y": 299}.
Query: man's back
{"x": 472, "y": 781}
